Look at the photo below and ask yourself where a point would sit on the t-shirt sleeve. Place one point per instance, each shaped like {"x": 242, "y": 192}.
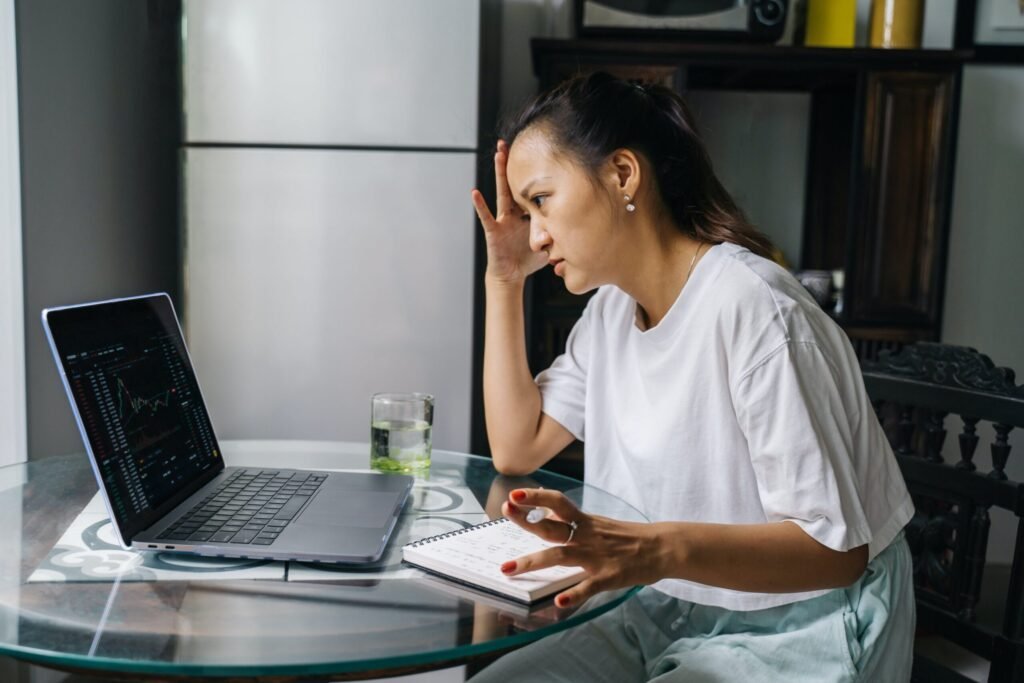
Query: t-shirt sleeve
{"x": 790, "y": 407}
{"x": 563, "y": 386}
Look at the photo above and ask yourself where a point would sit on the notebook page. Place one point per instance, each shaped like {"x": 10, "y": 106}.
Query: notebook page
{"x": 480, "y": 552}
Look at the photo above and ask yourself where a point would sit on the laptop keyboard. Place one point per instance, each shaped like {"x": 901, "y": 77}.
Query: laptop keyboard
{"x": 251, "y": 507}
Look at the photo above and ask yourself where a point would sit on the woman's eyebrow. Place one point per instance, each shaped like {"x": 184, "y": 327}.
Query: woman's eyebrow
{"x": 525, "y": 192}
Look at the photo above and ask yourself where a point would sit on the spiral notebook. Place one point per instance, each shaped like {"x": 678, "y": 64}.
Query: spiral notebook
{"x": 474, "y": 555}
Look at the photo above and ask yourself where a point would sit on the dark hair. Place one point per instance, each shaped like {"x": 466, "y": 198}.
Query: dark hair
{"x": 589, "y": 117}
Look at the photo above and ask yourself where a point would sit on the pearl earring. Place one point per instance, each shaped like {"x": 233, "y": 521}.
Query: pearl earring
{"x": 631, "y": 207}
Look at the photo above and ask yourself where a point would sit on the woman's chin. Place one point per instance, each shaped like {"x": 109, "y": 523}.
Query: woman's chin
{"x": 577, "y": 286}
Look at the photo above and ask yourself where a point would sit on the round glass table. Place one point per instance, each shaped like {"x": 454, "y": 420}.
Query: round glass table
{"x": 70, "y": 598}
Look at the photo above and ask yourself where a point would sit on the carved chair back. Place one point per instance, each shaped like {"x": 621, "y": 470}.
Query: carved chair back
{"x": 913, "y": 392}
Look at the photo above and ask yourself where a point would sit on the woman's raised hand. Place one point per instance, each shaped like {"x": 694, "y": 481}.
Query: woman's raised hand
{"x": 615, "y": 554}
{"x": 509, "y": 257}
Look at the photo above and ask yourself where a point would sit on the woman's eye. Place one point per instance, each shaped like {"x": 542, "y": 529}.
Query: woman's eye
{"x": 539, "y": 200}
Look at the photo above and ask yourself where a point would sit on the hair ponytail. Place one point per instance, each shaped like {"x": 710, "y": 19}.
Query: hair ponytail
{"x": 591, "y": 116}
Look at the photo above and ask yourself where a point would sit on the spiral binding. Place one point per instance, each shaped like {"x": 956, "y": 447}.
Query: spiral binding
{"x": 438, "y": 537}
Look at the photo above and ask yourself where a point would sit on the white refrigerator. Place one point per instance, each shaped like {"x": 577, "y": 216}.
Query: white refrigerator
{"x": 328, "y": 239}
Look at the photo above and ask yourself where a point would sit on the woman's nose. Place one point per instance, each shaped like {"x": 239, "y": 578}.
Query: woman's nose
{"x": 539, "y": 237}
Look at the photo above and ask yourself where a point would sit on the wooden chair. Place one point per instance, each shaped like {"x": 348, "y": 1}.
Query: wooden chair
{"x": 913, "y": 391}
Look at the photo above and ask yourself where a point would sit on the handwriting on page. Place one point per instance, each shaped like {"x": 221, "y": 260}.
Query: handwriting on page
{"x": 486, "y": 548}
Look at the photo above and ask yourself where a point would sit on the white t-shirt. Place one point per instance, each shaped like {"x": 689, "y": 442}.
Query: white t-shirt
{"x": 744, "y": 405}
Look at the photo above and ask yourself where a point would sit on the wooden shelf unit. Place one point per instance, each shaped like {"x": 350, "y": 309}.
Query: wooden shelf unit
{"x": 881, "y": 148}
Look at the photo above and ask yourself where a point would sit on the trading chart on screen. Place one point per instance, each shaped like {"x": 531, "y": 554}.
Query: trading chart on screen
{"x": 143, "y": 416}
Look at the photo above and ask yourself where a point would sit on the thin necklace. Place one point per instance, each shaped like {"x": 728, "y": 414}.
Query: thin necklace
{"x": 692, "y": 262}
{"x": 643, "y": 314}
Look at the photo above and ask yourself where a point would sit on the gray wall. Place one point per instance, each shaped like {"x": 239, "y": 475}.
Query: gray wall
{"x": 758, "y": 142}
{"x": 98, "y": 91}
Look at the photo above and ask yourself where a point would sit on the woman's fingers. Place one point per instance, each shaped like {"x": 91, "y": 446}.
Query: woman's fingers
{"x": 580, "y": 593}
{"x": 483, "y": 212}
{"x": 551, "y": 557}
{"x": 551, "y": 530}
{"x": 504, "y": 193}
{"x": 555, "y": 501}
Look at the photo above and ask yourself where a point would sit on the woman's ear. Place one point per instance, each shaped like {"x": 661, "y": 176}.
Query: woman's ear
{"x": 624, "y": 171}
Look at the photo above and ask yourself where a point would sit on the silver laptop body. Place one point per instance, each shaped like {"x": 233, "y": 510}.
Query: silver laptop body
{"x": 139, "y": 408}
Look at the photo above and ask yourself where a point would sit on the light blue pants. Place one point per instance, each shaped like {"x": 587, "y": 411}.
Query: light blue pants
{"x": 864, "y": 632}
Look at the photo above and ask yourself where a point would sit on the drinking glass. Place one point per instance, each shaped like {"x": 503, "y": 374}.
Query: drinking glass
{"x": 400, "y": 432}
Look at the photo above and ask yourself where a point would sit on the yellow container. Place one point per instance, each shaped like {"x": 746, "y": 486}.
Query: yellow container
{"x": 831, "y": 23}
{"x": 896, "y": 23}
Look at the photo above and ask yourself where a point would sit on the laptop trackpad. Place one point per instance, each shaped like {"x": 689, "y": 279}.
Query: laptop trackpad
{"x": 350, "y": 508}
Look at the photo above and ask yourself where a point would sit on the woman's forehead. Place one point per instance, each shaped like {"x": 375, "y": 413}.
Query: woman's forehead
{"x": 533, "y": 154}
{"x": 531, "y": 145}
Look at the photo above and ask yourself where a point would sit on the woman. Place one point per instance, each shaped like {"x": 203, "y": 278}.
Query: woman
{"x": 712, "y": 393}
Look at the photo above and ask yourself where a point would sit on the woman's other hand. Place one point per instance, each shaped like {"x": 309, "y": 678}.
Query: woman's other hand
{"x": 614, "y": 554}
{"x": 509, "y": 257}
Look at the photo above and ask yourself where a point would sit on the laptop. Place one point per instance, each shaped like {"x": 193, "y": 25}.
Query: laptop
{"x": 160, "y": 469}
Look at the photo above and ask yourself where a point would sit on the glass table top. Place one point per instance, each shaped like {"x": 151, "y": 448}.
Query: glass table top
{"x": 70, "y": 598}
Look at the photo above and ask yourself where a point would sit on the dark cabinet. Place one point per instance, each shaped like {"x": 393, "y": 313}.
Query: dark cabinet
{"x": 897, "y": 269}
{"x": 881, "y": 148}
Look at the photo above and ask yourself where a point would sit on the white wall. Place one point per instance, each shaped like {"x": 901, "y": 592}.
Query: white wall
{"x": 985, "y": 278}
{"x": 986, "y": 241}
{"x": 12, "y": 334}
{"x": 12, "y": 355}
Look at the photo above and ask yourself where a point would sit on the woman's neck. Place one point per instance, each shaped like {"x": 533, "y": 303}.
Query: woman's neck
{"x": 661, "y": 269}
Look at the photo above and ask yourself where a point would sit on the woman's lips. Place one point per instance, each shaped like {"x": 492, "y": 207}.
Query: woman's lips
{"x": 559, "y": 266}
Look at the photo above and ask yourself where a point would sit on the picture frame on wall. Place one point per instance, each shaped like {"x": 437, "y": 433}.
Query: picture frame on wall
{"x": 992, "y": 29}
{"x": 734, "y": 21}
{"x": 1007, "y": 15}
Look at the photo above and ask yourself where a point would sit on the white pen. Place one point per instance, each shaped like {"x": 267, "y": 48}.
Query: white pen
{"x": 537, "y": 514}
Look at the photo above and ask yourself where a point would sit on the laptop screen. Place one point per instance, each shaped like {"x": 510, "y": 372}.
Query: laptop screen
{"x": 139, "y": 404}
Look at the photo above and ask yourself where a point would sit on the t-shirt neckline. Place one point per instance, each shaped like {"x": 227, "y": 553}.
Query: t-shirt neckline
{"x": 688, "y": 296}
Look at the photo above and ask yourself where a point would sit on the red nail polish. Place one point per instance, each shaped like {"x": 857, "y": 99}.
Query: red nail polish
{"x": 518, "y": 495}
{"x": 562, "y": 601}
{"x": 512, "y": 507}
{"x": 508, "y": 567}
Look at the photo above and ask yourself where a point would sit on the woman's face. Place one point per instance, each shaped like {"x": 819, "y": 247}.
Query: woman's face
{"x": 570, "y": 217}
